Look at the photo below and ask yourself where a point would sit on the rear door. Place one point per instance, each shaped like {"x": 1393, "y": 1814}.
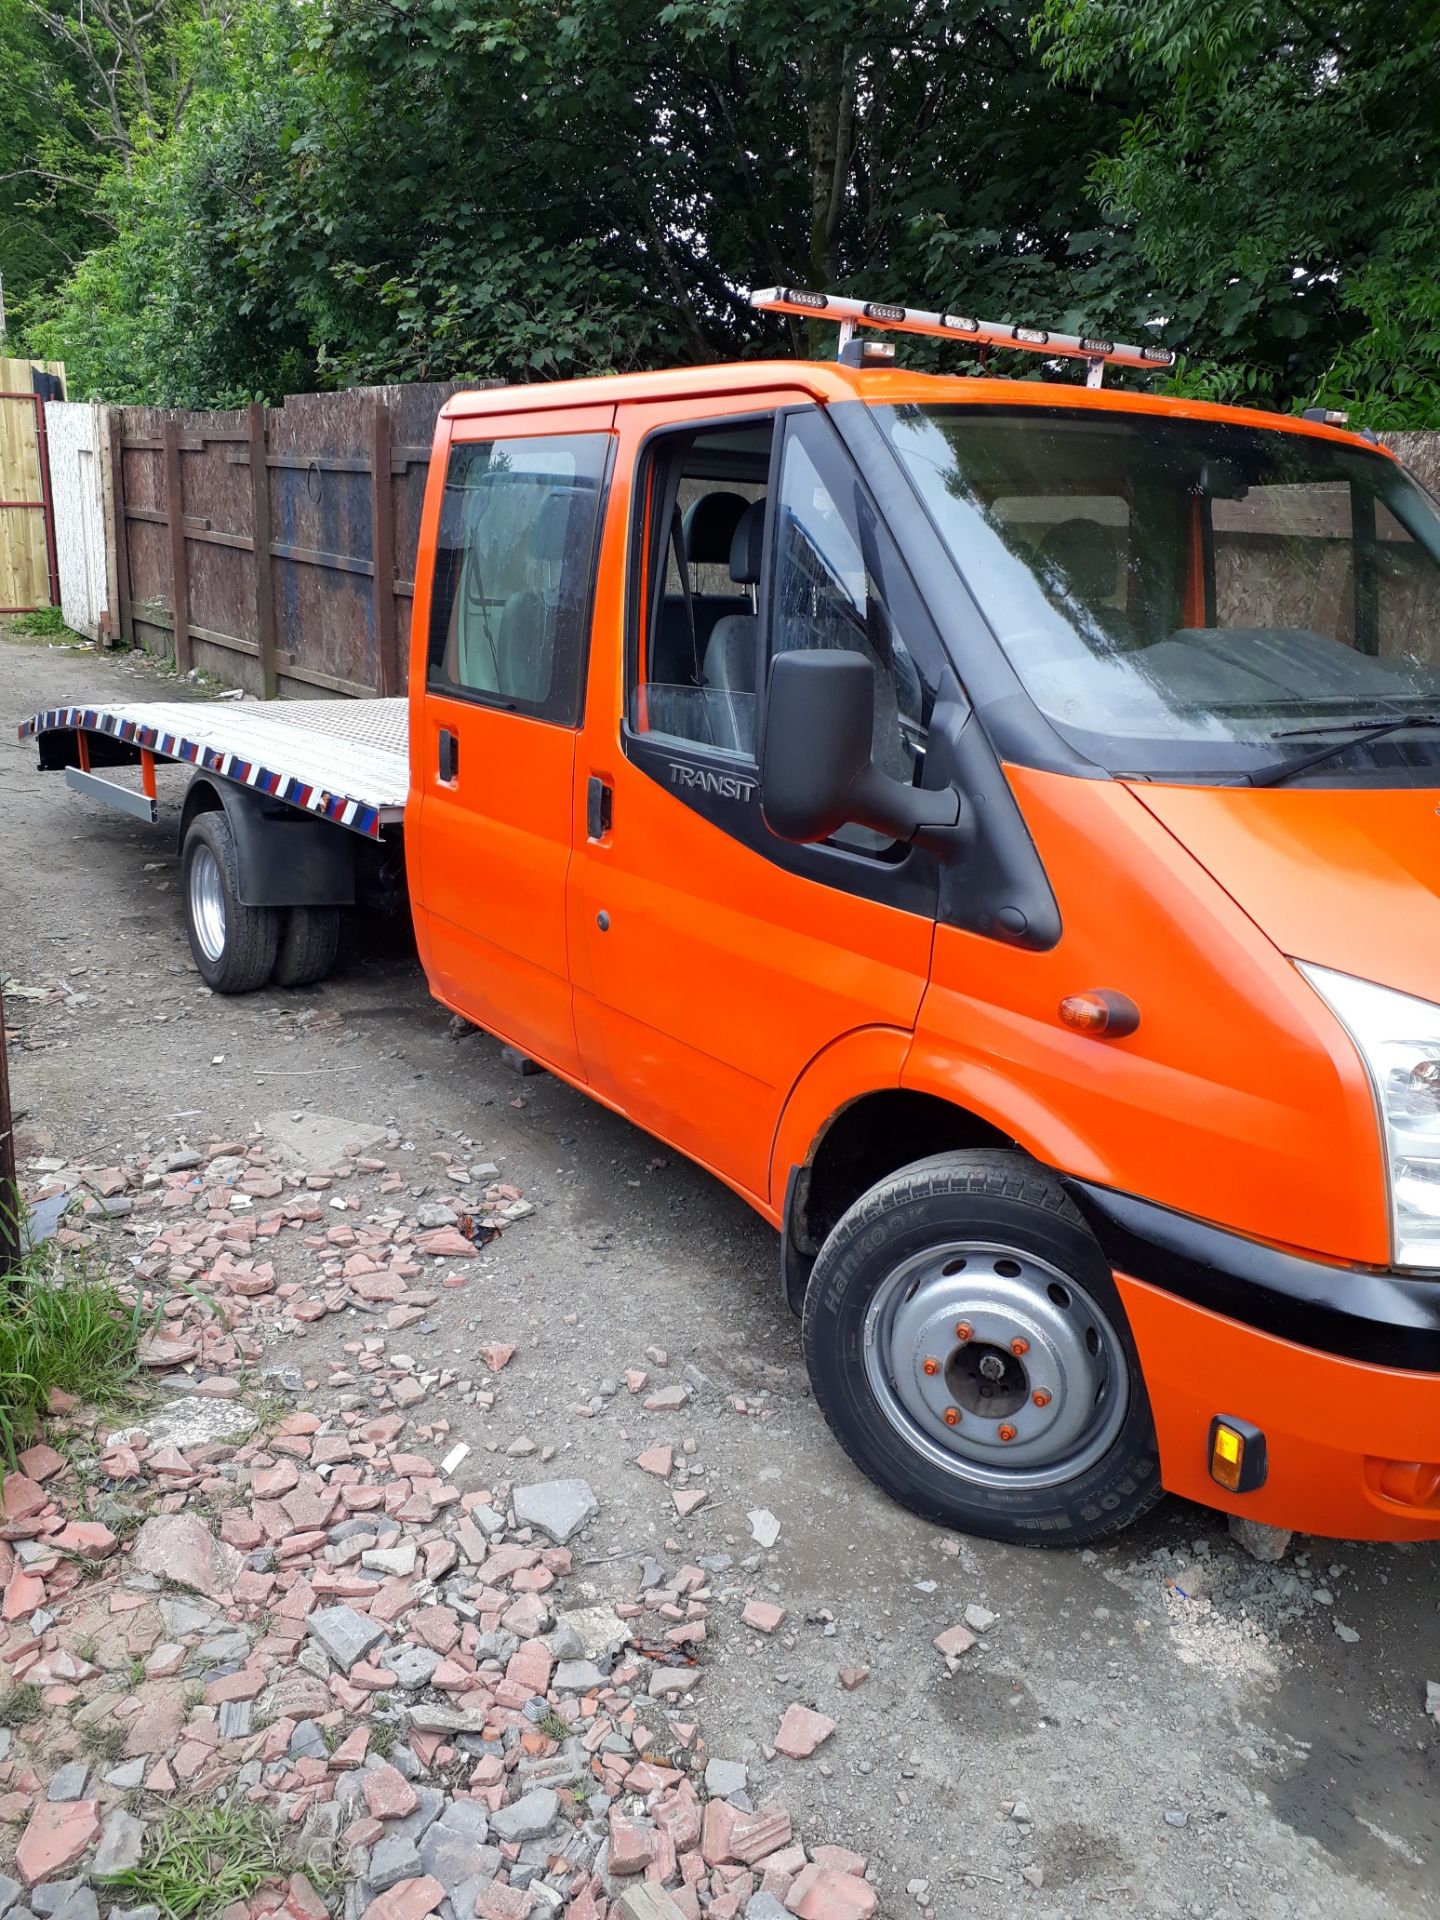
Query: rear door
{"x": 713, "y": 962}
{"x": 493, "y": 754}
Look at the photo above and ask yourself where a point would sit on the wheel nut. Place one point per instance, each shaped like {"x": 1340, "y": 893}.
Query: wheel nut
{"x": 932, "y": 1367}
{"x": 963, "y": 1331}
{"x": 952, "y": 1416}
{"x": 1041, "y": 1397}
{"x": 1007, "y": 1432}
{"x": 1019, "y": 1347}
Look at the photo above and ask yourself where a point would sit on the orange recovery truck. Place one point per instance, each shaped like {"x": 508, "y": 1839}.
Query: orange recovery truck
{"x": 992, "y": 826}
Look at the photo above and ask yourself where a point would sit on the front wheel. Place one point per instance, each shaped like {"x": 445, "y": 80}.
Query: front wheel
{"x": 969, "y": 1350}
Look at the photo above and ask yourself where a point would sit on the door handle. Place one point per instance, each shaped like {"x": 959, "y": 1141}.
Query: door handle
{"x": 599, "y": 807}
{"x": 449, "y": 756}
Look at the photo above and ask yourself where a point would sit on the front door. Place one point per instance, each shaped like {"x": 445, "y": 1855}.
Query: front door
{"x": 712, "y": 961}
{"x": 493, "y": 757}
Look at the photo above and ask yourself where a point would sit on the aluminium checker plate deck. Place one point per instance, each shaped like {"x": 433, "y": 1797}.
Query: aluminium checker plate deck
{"x": 346, "y": 760}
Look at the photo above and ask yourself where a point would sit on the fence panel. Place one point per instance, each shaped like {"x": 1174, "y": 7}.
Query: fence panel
{"x": 73, "y": 436}
{"x": 320, "y": 603}
{"x": 28, "y": 577}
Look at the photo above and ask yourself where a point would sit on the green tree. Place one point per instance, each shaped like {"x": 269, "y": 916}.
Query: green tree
{"x": 1283, "y": 184}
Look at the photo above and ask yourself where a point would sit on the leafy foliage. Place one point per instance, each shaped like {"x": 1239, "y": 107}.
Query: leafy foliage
{"x": 1284, "y": 183}
{"x": 530, "y": 189}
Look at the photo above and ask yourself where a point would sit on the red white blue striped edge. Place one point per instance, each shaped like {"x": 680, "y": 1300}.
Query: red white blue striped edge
{"x": 358, "y": 815}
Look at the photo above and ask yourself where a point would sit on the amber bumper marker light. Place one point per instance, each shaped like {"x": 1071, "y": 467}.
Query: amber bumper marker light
{"x": 1237, "y": 1454}
{"x": 1113, "y": 1014}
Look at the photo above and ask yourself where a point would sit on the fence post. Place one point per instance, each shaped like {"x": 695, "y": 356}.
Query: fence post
{"x": 9, "y": 1186}
{"x": 260, "y": 534}
{"x": 382, "y": 549}
{"x": 179, "y": 571}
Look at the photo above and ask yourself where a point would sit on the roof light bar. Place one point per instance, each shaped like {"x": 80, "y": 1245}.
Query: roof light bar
{"x": 951, "y": 326}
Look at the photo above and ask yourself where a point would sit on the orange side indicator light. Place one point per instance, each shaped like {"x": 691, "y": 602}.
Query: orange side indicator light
{"x": 1237, "y": 1455}
{"x": 1113, "y": 1014}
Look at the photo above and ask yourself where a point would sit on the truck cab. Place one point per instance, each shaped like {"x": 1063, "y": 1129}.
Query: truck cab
{"x": 991, "y": 826}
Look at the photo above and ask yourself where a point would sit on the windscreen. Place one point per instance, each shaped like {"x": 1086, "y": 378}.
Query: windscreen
{"x": 1193, "y": 597}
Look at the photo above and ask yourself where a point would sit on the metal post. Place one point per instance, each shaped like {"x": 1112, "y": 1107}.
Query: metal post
{"x": 260, "y": 535}
{"x": 179, "y": 572}
{"x": 9, "y": 1186}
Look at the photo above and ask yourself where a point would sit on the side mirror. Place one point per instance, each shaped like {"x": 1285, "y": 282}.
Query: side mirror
{"x": 816, "y": 775}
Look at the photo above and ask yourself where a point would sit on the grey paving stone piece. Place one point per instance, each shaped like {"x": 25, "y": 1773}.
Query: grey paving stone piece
{"x": 51, "y": 1895}
{"x": 119, "y": 1847}
{"x": 82, "y": 1905}
{"x": 454, "y": 1857}
{"x": 577, "y": 1676}
{"x": 308, "y": 1742}
{"x": 128, "y": 1774}
{"x": 764, "y": 1906}
{"x": 559, "y": 1508}
{"x": 347, "y": 1636}
{"x": 235, "y": 1718}
{"x": 411, "y": 1666}
{"x": 9, "y": 1893}
{"x": 135, "y": 1913}
{"x": 465, "y": 1897}
{"x": 528, "y": 1817}
{"x": 392, "y": 1859}
{"x": 467, "y": 1817}
{"x": 724, "y": 1777}
{"x": 414, "y": 1825}
{"x": 187, "y": 1616}
{"x": 69, "y": 1782}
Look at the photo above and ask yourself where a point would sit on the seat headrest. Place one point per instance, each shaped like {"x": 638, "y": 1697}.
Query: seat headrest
{"x": 552, "y": 524}
{"x": 747, "y": 544}
{"x": 709, "y": 527}
{"x": 1086, "y": 554}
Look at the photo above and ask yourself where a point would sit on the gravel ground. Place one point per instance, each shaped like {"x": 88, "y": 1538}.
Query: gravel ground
{"x": 1163, "y": 1727}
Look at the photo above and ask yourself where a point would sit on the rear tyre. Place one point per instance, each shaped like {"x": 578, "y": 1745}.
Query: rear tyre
{"x": 966, "y": 1343}
{"x": 234, "y": 945}
{"x": 309, "y": 942}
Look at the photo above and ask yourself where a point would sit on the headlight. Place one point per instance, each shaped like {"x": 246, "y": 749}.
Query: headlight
{"x": 1399, "y": 1040}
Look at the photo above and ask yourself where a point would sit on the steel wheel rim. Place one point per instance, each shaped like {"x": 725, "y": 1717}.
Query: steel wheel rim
{"x": 995, "y": 1366}
{"x": 207, "y": 903}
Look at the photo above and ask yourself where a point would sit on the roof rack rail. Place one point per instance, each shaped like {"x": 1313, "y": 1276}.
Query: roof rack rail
{"x": 851, "y": 314}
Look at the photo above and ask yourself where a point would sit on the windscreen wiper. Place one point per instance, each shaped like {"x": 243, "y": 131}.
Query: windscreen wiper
{"x": 1357, "y": 730}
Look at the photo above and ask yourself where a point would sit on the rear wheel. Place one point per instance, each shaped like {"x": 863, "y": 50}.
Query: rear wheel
{"x": 234, "y": 945}
{"x": 967, "y": 1345}
{"x": 309, "y": 942}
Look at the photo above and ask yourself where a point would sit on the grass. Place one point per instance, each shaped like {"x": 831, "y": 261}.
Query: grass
{"x": 104, "y": 1740}
{"x": 20, "y": 1705}
{"x": 382, "y": 1737}
{"x": 45, "y": 623}
{"x": 553, "y": 1727}
{"x": 198, "y": 1860}
{"x": 61, "y": 1325}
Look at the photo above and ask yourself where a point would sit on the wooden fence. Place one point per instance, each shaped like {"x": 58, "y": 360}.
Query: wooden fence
{"x": 319, "y": 602}
{"x": 28, "y": 576}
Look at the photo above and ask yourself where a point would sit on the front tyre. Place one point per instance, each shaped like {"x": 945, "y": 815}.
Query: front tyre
{"x": 234, "y": 945}
{"x": 968, "y": 1347}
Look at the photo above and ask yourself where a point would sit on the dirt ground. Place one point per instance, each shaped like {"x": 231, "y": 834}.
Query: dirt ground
{"x": 1163, "y": 1727}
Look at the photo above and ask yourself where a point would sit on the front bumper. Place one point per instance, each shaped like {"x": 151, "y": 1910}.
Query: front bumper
{"x": 1339, "y": 1366}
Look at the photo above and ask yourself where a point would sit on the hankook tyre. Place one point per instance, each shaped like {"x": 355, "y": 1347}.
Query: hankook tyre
{"x": 309, "y": 942}
{"x": 234, "y": 945}
{"x": 968, "y": 1347}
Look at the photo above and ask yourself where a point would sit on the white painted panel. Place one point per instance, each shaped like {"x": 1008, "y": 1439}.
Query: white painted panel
{"x": 73, "y": 431}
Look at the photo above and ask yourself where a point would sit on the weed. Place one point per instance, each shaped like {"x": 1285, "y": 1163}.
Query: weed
{"x": 20, "y": 1705}
{"x": 45, "y": 623}
{"x": 198, "y": 1860}
{"x": 382, "y": 1738}
{"x": 553, "y": 1727}
{"x": 64, "y": 1326}
{"x": 135, "y": 1673}
{"x": 87, "y": 1649}
{"x": 270, "y": 1409}
{"x": 104, "y": 1740}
